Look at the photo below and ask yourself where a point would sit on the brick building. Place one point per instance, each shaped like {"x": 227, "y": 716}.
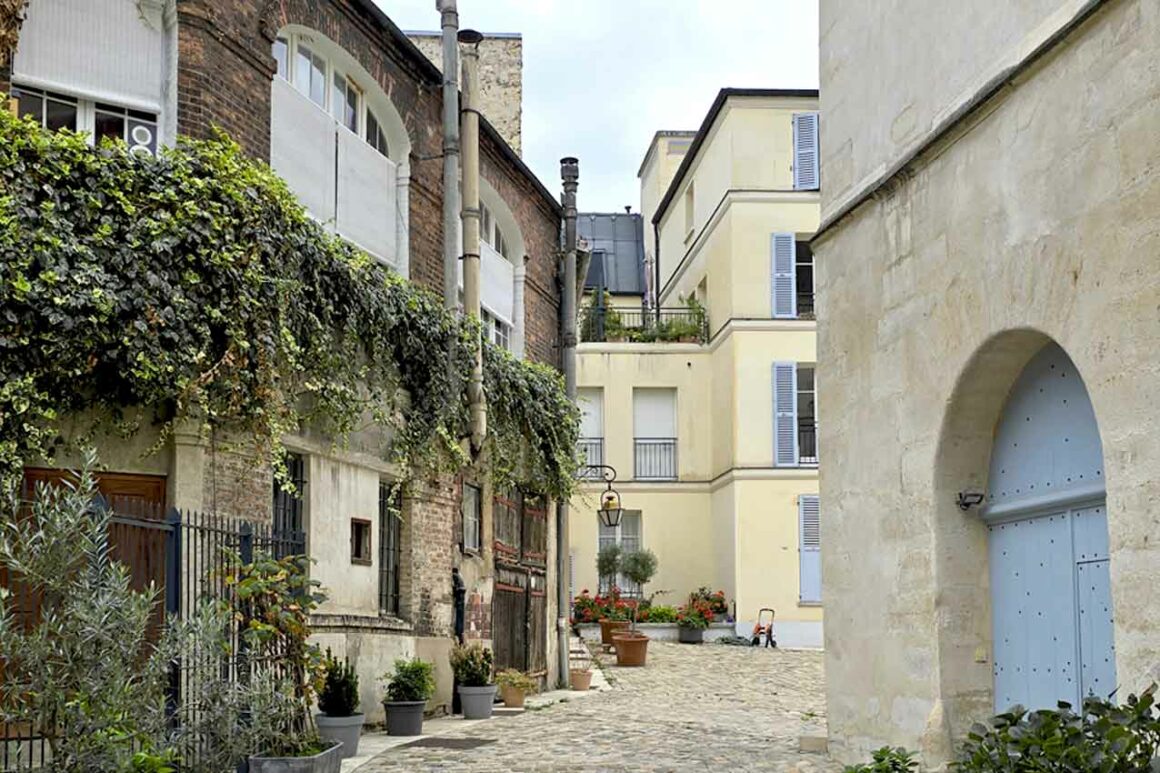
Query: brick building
{"x": 348, "y": 110}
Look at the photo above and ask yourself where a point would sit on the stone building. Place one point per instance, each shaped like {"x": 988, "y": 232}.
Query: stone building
{"x": 345, "y": 108}
{"x": 988, "y": 296}
{"x": 708, "y": 416}
{"x": 501, "y": 78}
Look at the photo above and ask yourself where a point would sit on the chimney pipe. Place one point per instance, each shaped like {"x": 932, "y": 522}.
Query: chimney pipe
{"x": 471, "y": 218}
{"x": 570, "y": 173}
{"x": 451, "y": 246}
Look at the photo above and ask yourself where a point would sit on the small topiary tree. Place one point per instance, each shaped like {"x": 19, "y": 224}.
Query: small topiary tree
{"x": 608, "y": 563}
{"x": 639, "y": 566}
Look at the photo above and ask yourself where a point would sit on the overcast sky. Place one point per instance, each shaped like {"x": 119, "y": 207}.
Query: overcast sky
{"x": 600, "y": 76}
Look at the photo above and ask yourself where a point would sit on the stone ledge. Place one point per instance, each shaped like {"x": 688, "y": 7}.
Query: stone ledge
{"x": 339, "y": 623}
{"x": 662, "y": 631}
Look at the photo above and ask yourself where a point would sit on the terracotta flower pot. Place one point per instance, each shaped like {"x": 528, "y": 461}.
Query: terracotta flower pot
{"x": 581, "y": 679}
{"x": 513, "y": 697}
{"x": 631, "y": 648}
{"x": 608, "y": 628}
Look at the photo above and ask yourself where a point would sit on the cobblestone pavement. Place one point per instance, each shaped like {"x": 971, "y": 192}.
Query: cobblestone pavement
{"x": 710, "y": 707}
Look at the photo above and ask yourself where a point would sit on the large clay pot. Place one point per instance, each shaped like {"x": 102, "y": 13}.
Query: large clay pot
{"x": 631, "y": 648}
{"x": 513, "y": 697}
{"x": 610, "y": 627}
{"x": 691, "y": 635}
{"x": 581, "y": 679}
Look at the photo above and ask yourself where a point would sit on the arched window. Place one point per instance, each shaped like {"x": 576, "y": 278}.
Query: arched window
{"x": 340, "y": 144}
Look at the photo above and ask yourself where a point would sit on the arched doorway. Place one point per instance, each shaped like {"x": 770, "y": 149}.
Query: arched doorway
{"x": 1046, "y": 518}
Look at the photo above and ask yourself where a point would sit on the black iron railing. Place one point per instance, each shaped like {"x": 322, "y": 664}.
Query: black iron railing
{"x": 805, "y": 305}
{"x": 591, "y": 455}
{"x": 655, "y": 458}
{"x": 640, "y": 326}
{"x": 807, "y": 443}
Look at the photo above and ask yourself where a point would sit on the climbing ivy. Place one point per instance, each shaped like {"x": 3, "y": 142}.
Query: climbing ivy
{"x": 194, "y": 283}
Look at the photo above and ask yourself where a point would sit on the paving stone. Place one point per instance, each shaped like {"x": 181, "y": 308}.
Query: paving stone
{"x": 707, "y": 707}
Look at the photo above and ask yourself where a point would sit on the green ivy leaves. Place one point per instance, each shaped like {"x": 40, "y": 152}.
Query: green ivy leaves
{"x": 195, "y": 284}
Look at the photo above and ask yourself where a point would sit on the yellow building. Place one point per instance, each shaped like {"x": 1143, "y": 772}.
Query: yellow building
{"x": 706, "y": 410}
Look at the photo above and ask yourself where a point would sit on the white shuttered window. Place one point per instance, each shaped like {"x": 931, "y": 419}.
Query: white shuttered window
{"x": 783, "y": 284}
{"x": 805, "y": 152}
{"x": 785, "y": 434}
{"x": 810, "y": 541}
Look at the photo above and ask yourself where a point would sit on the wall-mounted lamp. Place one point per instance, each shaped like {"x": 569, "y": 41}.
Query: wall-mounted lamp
{"x": 968, "y": 499}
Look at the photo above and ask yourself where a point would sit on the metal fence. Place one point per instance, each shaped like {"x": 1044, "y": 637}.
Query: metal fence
{"x": 640, "y": 326}
{"x": 807, "y": 443}
{"x": 655, "y": 458}
{"x": 184, "y": 555}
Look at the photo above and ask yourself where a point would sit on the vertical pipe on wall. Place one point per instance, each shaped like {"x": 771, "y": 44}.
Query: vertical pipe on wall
{"x": 450, "y": 22}
{"x": 471, "y": 218}
{"x": 169, "y": 77}
{"x": 570, "y": 172}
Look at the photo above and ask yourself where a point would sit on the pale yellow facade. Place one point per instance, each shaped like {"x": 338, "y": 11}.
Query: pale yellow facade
{"x": 730, "y": 518}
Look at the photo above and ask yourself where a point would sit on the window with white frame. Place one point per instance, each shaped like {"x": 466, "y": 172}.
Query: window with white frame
{"x": 496, "y": 330}
{"x": 627, "y": 534}
{"x": 471, "y": 505}
{"x": 795, "y": 428}
{"x": 309, "y": 72}
{"x": 99, "y": 120}
{"x": 490, "y": 232}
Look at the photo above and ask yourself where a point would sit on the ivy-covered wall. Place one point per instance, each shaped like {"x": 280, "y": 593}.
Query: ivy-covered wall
{"x": 195, "y": 285}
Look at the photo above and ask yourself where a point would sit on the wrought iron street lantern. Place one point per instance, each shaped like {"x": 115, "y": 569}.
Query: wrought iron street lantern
{"x": 610, "y": 509}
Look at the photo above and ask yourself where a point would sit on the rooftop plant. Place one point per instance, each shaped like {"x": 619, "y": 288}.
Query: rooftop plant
{"x": 194, "y": 285}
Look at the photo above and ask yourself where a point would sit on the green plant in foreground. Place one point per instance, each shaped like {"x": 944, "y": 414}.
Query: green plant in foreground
{"x": 887, "y": 760}
{"x": 339, "y": 694}
{"x": 411, "y": 680}
{"x": 639, "y": 566}
{"x": 472, "y": 664}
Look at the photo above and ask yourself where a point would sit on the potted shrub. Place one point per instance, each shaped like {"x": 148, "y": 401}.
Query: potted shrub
{"x": 692, "y": 620}
{"x": 514, "y": 686}
{"x": 614, "y": 614}
{"x": 276, "y": 598}
{"x": 632, "y": 646}
{"x": 472, "y": 666}
{"x": 340, "y": 718}
{"x": 718, "y": 606}
{"x": 409, "y": 687}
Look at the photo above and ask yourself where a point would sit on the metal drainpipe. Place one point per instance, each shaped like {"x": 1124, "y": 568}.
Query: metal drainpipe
{"x": 471, "y": 218}
{"x": 570, "y": 172}
{"x": 169, "y": 79}
{"x": 450, "y": 152}
{"x": 657, "y": 272}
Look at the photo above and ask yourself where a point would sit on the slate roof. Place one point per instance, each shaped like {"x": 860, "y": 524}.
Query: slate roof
{"x": 617, "y": 243}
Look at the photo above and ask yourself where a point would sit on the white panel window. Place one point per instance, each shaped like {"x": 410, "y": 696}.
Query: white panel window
{"x": 591, "y": 403}
{"x": 366, "y": 196}
{"x": 346, "y": 102}
{"x": 375, "y": 136}
{"x": 496, "y": 330}
{"x": 310, "y": 74}
{"x": 302, "y": 149}
{"x": 654, "y": 419}
{"x": 628, "y": 534}
{"x": 107, "y": 50}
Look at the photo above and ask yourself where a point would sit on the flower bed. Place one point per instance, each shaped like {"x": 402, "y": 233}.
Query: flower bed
{"x": 661, "y": 631}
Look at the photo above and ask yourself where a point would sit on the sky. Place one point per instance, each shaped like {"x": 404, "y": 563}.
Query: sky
{"x": 601, "y": 76}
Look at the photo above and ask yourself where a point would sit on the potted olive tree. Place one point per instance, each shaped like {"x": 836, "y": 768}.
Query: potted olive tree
{"x": 409, "y": 687}
{"x": 613, "y": 616}
{"x": 339, "y": 718}
{"x": 514, "y": 686}
{"x": 632, "y": 646}
{"x": 472, "y": 666}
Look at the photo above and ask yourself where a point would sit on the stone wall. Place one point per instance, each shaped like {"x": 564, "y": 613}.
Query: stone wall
{"x": 501, "y": 86}
{"x": 1034, "y": 221}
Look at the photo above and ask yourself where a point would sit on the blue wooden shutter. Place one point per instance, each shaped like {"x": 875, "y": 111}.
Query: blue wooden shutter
{"x": 783, "y": 288}
{"x": 810, "y": 539}
{"x": 805, "y": 152}
{"x": 785, "y": 445}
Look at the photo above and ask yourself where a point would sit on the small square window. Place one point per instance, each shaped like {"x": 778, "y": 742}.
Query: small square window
{"x": 360, "y": 542}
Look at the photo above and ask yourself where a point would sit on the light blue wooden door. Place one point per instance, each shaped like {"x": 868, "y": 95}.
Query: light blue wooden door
{"x": 1052, "y": 621}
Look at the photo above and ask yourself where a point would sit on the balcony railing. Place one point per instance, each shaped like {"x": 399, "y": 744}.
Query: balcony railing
{"x": 655, "y": 458}
{"x": 639, "y": 326}
{"x": 591, "y": 454}
{"x": 807, "y": 443}
{"x": 805, "y": 306}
